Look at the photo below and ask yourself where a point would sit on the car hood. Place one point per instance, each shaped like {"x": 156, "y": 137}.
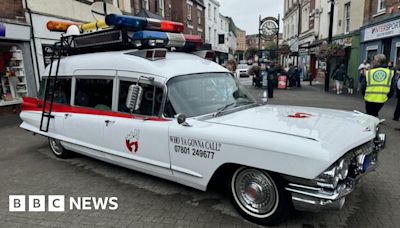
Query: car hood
{"x": 323, "y": 125}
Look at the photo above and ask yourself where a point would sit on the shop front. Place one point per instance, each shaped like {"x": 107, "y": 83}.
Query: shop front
{"x": 382, "y": 37}
{"x": 16, "y": 69}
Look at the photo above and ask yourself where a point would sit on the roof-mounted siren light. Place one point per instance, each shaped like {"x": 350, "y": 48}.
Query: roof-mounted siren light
{"x": 60, "y": 26}
{"x": 93, "y": 26}
{"x": 129, "y": 22}
{"x": 158, "y": 39}
{"x": 205, "y": 54}
{"x": 192, "y": 42}
{"x": 140, "y": 23}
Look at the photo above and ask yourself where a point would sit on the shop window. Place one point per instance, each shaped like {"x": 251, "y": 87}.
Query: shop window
{"x": 371, "y": 54}
{"x": 397, "y": 60}
{"x": 151, "y": 100}
{"x": 62, "y": 92}
{"x": 12, "y": 75}
{"x": 94, "y": 93}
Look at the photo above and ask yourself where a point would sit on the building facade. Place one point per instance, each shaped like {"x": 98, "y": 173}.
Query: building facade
{"x": 381, "y": 30}
{"x": 16, "y": 65}
{"x": 291, "y": 30}
{"x": 313, "y": 31}
{"x": 190, "y": 13}
{"x": 241, "y": 44}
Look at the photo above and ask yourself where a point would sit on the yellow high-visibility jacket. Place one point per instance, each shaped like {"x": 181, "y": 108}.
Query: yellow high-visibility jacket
{"x": 379, "y": 82}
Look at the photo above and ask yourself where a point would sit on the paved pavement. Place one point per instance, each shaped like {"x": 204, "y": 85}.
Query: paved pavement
{"x": 28, "y": 167}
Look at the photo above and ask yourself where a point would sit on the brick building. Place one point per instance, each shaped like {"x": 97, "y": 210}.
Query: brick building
{"x": 188, "y": 12}
{"x": 16, "y": 69}
{"x": 381, "y": 30}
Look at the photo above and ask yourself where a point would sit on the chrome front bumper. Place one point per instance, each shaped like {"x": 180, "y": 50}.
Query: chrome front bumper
{"x": 307, "y": 198}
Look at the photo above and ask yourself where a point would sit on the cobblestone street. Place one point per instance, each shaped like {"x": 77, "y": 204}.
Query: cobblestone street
{"x": 27, "y": 167}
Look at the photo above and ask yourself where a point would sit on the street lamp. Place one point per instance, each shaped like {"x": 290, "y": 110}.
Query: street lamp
{"x": 328, "y": 65}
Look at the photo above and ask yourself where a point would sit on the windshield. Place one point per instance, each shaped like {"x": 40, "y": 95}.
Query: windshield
{"x": 200, "y": 94}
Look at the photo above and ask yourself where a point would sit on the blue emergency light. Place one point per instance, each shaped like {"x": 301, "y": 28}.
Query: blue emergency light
{"x": 139, "y": 23}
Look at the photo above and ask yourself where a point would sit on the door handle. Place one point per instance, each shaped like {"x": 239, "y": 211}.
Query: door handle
{"x": 108, "y": 122}
{"x": 66, "y": 115}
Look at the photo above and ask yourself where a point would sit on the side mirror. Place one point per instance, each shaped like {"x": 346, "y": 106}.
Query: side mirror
{"x": 181, "y": 119}
{"x": 264, "y": 98}
{"x": 134, "y": 97}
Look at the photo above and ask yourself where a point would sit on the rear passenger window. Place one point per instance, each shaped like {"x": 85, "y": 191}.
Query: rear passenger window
{"x": 151, "y": 100}
{"x": 62, "y": 94}
{"x": 94, "y": 93}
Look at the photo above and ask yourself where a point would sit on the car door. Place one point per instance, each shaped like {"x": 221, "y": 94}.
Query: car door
{"x": 140, "y": 137}
{"x": 85, "y": 120}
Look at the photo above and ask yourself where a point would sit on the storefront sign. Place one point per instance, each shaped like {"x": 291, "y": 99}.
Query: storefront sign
{"x": 47, "y": 53}
{"x": 384, "y": 30}
{"x": 344, "y": 41}
{"x": 2, "y": 30}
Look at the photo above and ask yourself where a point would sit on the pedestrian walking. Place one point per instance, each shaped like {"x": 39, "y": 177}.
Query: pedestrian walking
{"x": 339, "y": 77}
{"x": 379, "y": 85}
{"x": 297, "y": 78}
{"x": 232, "y": 66}
{"x": 362, "y": 69}
{"x": 396, "y": 114}
{"x": 291, "y": 75}
{"x": 255, "y": 73}
{"x": 350, "y": 84}
{"x": 272, "y": 74}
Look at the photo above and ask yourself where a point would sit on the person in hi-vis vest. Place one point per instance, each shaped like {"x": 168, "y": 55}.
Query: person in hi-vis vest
{"x": 379, "y": 85}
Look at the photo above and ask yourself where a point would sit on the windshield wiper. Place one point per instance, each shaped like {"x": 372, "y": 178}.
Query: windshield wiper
{"x": 223, "y": 109}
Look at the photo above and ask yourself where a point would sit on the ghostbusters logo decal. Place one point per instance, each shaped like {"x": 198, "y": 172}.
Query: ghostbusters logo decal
{"x": 300, "y": 115}
{"x": 132, "y": 141}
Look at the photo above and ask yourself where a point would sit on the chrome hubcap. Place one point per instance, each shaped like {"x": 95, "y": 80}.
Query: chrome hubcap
{"x": 56, "y": 146}
{"x": 256, "y": 191}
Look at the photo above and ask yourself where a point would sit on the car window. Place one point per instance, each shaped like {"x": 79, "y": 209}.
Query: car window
{"x": 199, "y": 94}
{"x": 94, "y": 93}
{"x": 62, "y": 93}
{"x": 151, "y": 100}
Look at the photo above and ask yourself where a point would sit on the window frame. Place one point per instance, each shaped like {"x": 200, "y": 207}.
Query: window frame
{"x": 188, "y": 12}
{"x": 347, "y": 17}
{"x": 59, "y": 78}
{"x": 379, "y": 9}
{"x": 73, "y": 90}
{"x": 142, "y": 81}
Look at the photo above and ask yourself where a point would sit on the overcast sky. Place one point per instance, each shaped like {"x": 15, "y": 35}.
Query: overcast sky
{"x": 245, "y": 13}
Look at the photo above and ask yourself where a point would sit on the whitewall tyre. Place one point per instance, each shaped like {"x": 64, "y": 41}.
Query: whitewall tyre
{"x": 57, "y": 149}
{"x": 260, "y": 196}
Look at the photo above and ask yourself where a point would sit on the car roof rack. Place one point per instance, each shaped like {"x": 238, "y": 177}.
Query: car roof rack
{"x": 121, "y": 32}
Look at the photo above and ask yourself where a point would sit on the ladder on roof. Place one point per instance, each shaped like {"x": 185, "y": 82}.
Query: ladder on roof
{"x": 50, "y": 88}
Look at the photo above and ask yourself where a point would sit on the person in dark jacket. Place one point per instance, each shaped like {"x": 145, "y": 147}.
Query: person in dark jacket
{"x": 339, "y": 77}
{"x": 272, "y": 74}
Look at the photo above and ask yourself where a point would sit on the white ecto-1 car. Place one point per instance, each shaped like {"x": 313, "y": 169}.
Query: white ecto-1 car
{"x": 186, "y": 119}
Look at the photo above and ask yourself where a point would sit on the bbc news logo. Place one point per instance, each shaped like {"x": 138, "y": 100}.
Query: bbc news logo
{"x": 57, "y": 203}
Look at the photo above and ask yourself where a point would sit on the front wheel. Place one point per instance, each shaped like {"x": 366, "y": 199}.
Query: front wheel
{"x": 259, "y": 196}
{"x": 57, "y": 149}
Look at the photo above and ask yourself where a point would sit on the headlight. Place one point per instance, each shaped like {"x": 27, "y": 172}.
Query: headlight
{"x": 336, "y": 172}
{"x": 343, "y": 168}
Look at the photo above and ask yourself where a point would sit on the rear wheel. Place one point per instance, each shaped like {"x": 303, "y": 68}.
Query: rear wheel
{"x": 57, "y": 149}
{"x": 259, "y": 196}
